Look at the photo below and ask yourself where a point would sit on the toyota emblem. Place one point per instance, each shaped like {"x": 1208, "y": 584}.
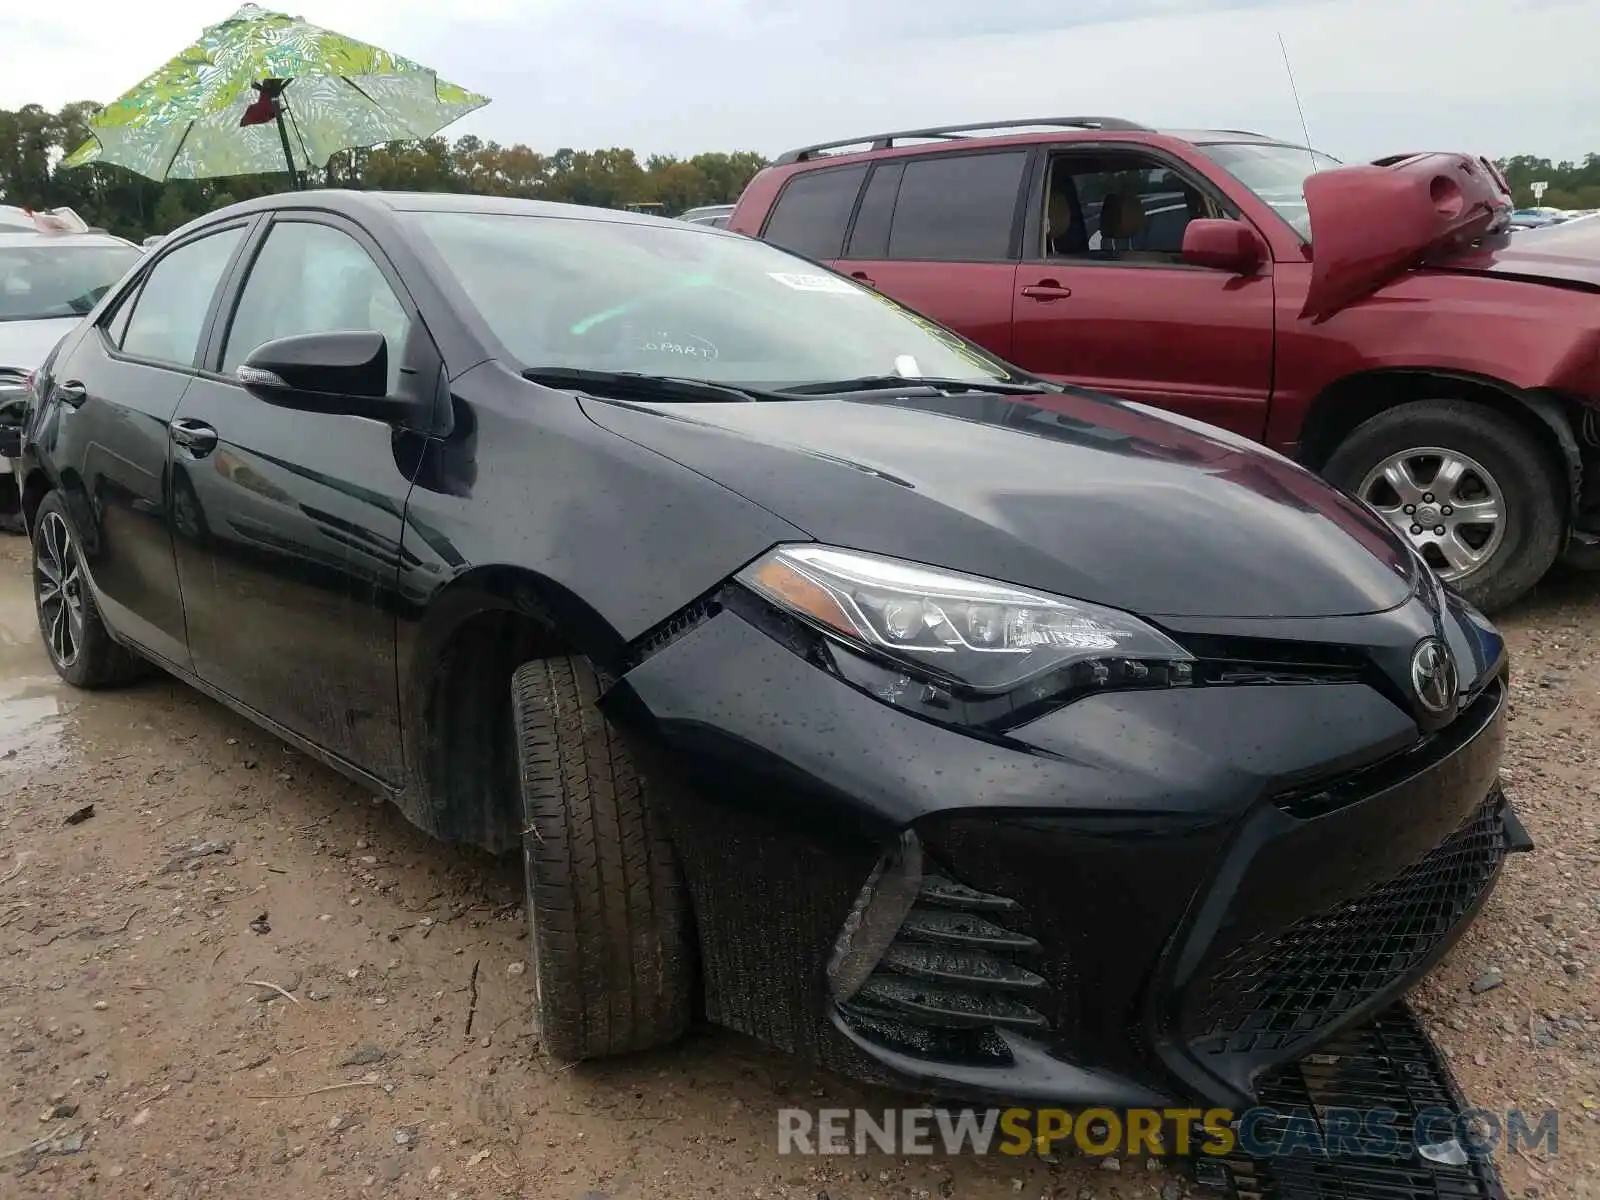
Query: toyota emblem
{"x": 1433, "y": 676}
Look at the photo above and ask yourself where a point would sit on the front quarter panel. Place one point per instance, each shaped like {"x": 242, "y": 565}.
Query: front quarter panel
{"x": 605, "y": 538}
{"x": 1529, "y": 335}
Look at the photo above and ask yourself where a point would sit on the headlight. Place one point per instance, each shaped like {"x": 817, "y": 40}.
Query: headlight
{"x": 974, "y": 634}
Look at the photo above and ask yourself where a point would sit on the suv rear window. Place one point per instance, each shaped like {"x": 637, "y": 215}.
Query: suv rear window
{"x": 958, "y": 207}
{"x": 812, "y": 212}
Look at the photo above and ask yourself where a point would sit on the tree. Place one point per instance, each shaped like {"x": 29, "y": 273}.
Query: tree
{"x": 32, "y": 141}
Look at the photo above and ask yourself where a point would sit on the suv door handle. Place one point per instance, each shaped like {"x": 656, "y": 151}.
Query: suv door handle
{"x": 1046, "y": 289}
{"x": 198, "y": 438}
{"x": 72, "y": 393}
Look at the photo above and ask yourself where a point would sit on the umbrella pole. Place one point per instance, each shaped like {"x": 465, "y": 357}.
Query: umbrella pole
{"x": 288, "y": 154}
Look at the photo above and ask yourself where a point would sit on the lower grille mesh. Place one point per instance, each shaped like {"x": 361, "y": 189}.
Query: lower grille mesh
{"x": 958, "y": 970}
{"x": 1274, "y": 992}
{"x": 1389, "y": 1065}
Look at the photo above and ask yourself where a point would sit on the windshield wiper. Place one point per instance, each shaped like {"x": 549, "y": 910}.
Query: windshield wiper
{"x": 622, "y": 384}
{"x": 878, "y": 383}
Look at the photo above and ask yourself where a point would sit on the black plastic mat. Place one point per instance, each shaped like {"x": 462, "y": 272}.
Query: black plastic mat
{"x": 1389, "y": 1066}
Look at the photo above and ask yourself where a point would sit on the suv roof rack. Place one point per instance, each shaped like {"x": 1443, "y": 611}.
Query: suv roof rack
{"x": 886, "y": 141}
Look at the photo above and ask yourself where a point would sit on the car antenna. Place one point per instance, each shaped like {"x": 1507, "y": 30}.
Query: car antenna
{"x": 1305, "y": 129}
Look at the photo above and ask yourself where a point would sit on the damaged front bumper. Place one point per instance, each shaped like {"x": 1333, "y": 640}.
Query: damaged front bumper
{"x": 1123, "y": 903}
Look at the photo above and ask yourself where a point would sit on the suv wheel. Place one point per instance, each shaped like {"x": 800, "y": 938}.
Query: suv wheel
{"x": 81, "y": 649}
{"x": 608, "y": 914}
{"x": 1471, "y": 488}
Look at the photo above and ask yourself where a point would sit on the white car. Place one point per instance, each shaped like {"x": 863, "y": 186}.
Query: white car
{"x": 53, "y": 269}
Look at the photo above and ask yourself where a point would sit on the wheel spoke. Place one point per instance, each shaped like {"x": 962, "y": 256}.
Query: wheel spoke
{"x": 75, "y": 626}
{"x": 60, "y": 637}
{"x": 1397, "y": 475}
{"x": 1458, "y": 553}
{"x": 52, "y": 541}
{"x": 49, "y": 593}
{"x": 1448, "y": 479}
{"x": 1476, "y": 512}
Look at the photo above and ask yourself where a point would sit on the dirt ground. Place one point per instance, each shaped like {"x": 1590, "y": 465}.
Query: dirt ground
{"x": 134, "y": 1044}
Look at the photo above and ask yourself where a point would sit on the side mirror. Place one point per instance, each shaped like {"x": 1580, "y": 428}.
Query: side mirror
{"x": 1221, "y": 245}
{"x": 341, "y": 374}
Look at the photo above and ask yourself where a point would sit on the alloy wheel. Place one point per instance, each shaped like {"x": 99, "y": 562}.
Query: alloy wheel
{"x": 59, "y": 585}
{"x": 1444, "y": 502}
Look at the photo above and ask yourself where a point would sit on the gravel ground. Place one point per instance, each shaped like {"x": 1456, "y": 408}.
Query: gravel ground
{"x": 402, "y": 1063}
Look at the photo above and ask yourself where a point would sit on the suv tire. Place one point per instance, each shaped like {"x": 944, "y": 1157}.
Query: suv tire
{"x": 1505, "y": 450}
{"x": 607, "y": 910}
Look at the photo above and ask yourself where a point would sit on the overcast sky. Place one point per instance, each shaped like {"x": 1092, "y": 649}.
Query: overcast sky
{"x": 678, "y": 76}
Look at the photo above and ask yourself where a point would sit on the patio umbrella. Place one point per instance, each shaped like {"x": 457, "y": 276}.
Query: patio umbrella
{"x": 263, "y": 91}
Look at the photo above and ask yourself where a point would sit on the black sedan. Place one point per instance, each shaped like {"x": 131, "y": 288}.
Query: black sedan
{"x": 940, "y": 724}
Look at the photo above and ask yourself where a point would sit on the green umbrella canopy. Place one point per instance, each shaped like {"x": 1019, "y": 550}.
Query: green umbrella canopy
{"x": 183, "y": 121}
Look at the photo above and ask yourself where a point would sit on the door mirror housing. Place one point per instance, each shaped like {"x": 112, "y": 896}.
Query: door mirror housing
{"x": 340, "y": 374}
{"x": 1223, "y": 245}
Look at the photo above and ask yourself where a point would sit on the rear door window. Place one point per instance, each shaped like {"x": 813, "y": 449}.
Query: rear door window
{"x": 958, "y": 207}
{"x": 813, "y": 211}
{"x": 169, "y": 314}
{"x": 870, "y": 237}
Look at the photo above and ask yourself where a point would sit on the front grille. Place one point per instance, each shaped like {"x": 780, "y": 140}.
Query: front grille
{"x": 959, "y": 969}
{"x": 1275, "y": 991}
{"x": 1478, "y": 709}
{"x": 1326, "y": 1107}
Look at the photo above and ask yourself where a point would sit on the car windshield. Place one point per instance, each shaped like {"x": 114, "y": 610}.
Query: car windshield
{"x": 679, "y": 300}
{"x": 1276, "y": 173}
{"x": 42, "y": 281}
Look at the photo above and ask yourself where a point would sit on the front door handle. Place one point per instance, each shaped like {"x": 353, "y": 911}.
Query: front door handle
{"x": 1046, "y": 289}
{"x": 198, "y": 438}
{"x": 863, "y": 277}
{"x": 72, "y": 393}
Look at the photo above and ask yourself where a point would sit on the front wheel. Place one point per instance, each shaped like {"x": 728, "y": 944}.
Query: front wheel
{"x": 609, "y": 918}
{"x": 1471, "y": 488}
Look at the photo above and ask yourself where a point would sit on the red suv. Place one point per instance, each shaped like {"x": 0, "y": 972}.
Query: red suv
{"x": 1442, "y": 368}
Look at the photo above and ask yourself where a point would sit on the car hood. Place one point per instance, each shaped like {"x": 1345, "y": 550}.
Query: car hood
{"x": 1373, "y": 222}
{"x": 1091, "y": 497}
{"x": 1567, "y": 254}
{"x": 26, "y": 344}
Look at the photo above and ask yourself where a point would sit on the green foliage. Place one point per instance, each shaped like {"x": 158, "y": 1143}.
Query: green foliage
{"x": 1572, "y": 185}
{"x": 32, "y": 141}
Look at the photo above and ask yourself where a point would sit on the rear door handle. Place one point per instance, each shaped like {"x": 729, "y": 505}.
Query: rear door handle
{"x": 1046, "y": 289}
{"x": 198, "y": 438}
{"x": 72, "y": 393}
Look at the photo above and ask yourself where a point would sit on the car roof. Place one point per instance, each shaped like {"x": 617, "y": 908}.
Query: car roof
{"x": 1016, "y": 132}
{"x": 353, "y": 203}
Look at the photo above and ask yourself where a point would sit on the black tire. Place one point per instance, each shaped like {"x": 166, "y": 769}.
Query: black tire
{"x": 1530, "y": 482}
{"x": 608, "y": 913}
{"x": 96, "y": 660}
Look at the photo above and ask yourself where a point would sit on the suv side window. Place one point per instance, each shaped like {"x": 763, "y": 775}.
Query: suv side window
{"x": 313, "y": 278}
{"x": 813, "y": 211}
{"x": 169, "y": 313}
{"x": 870, "y": 236}
{"x": 958, "y": 207}
{"x": 1119, "y": 207}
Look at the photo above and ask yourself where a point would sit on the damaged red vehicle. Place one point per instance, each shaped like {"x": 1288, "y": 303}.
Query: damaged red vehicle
{"x": 1376, "y": 323}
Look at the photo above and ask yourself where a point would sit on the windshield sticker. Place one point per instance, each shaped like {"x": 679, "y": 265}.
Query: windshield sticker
{"x": 680, "y": 345}
{"x": 814, "y": 283}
